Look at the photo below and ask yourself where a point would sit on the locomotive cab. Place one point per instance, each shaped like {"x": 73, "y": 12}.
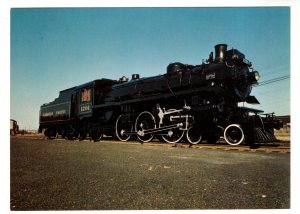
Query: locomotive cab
{"x": 91, "y": 94}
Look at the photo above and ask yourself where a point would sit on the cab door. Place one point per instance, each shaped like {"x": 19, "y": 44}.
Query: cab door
{"x": 74, "y": 106}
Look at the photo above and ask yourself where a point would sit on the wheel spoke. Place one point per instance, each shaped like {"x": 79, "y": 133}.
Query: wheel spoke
{"x": 173, "y": 135}
{"x": 194, "y": 135}
{"x": 144, "y": 121}
{"x": 123, "y": 125}
{"x": 234, "y": 134}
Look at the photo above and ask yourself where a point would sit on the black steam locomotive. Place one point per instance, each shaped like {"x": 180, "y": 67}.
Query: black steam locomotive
{"x": 191, "y": 102}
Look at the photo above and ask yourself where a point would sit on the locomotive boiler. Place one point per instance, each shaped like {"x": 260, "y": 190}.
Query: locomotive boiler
{"x": 189, "y": 102}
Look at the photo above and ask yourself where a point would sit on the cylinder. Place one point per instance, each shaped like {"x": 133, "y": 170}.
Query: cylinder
{"x": 220, "y": 51}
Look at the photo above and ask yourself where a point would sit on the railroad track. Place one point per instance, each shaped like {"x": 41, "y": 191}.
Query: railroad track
{"x": 279, "y": 147}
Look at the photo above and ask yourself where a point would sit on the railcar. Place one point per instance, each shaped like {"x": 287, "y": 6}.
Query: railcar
{"x": 14, "y": 127}
{"x": 189, "y": 102}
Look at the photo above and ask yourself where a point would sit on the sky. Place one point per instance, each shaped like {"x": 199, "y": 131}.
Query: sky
{"x": 55, "y": 49}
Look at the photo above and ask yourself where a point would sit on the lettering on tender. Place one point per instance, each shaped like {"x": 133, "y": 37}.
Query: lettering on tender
{"x": 60, "y": 112}
{"x": 47, "y": 114}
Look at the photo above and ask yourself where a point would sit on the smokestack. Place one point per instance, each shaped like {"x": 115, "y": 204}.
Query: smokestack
{"x": 220, "y": 52}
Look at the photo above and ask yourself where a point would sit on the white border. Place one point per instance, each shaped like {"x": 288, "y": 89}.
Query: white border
{"x": 5, "y": 7}
{"x": 149, "y": 3}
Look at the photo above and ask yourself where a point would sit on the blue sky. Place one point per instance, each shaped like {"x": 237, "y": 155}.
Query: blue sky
{"x": 54, "y": 49}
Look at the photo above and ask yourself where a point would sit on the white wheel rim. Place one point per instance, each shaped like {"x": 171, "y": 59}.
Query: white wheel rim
{"x": 226, "y": 136}
{"x": 121, "y": 139}
{"x": 141, "y": 139}
{"x": 190, "y": 140}
{"x": 175, "y": 141}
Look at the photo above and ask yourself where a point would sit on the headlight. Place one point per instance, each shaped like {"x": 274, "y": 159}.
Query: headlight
{"x": 253, "y": 76}
{"x": 256, "y": 75}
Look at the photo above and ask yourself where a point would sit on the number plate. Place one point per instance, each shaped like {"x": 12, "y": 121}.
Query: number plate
{"x": 86, "y": 108}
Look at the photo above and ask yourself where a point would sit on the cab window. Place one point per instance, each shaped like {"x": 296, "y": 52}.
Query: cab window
{"x": 86, "y": 95}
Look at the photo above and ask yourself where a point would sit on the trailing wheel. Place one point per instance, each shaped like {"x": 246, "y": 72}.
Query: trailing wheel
{"x": 234, "y": 134}
{"x": 50, "y": 133}
{"x": 194, "y": 135}
{"x": 71, "y": 134}
{"x": 82, "y": 135}
{"x": 97, "y": 137}
{"x": 123, "y": 125}
{"x": 144, "y": 121}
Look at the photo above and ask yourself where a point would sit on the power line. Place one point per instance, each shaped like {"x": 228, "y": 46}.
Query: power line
{"x": 277, "y": 79}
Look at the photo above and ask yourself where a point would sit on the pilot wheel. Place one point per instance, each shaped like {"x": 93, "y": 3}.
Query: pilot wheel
{"x": 234, "y": 135}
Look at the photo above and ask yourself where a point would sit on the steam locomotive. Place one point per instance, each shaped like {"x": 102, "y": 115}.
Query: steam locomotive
{"x": 189, "y": 102}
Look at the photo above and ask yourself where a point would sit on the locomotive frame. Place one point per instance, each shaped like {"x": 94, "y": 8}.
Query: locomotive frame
{"x": 192, "y": 102}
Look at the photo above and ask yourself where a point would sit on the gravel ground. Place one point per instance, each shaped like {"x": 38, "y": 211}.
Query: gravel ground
{"x": 67, "y": 175}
